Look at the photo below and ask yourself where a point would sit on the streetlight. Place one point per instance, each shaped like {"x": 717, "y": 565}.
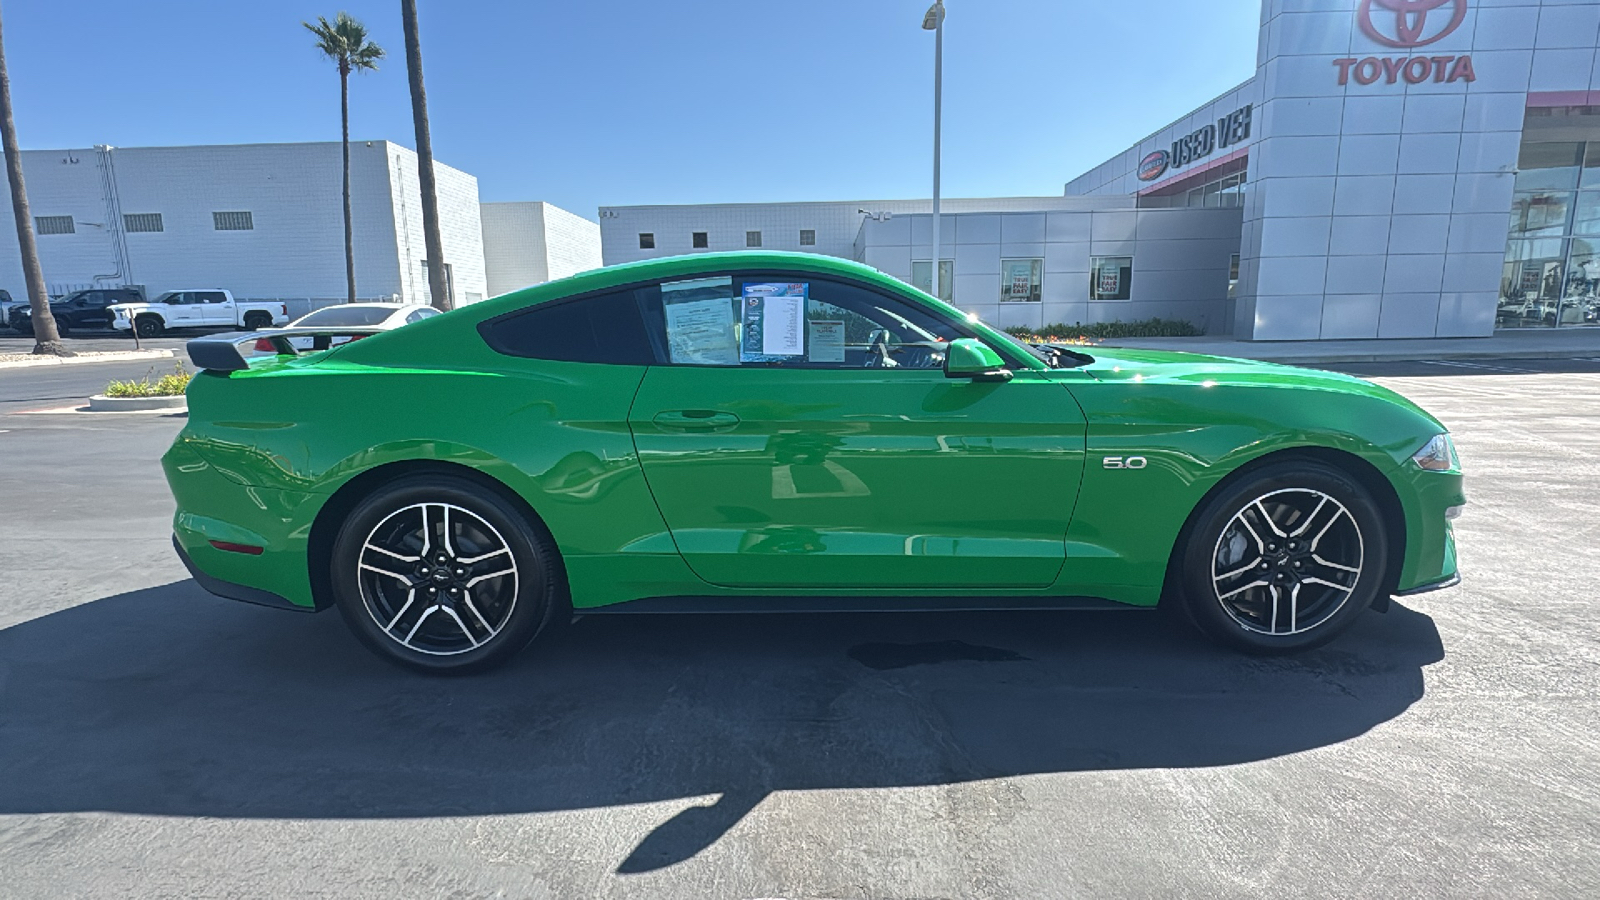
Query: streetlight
{"x": 934, "y": 21}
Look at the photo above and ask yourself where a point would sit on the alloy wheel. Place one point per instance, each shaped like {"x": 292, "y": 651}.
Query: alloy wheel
{"x": 1287, "y": 562}
{"x": 437, "y": 579}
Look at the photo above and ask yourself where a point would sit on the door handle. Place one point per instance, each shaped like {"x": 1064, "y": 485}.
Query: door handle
{"x": 695, "y": 420}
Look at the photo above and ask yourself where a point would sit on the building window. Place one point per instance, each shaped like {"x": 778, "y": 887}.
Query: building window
{"x": 1110, "y": 277}
{"x": 700, "y": 240}
{"x": 53, "y": 225}
{"x": 1020, "y": 280}
{"x": 137, "y": 223}
{"x": 647, "y": 240}
{"x": 233, "y": 221}
{"x": 922, "y": 277}
{"x": 1233, "y": 275}
{"x": 808, "y": 237}
{"x": 752, "y": 238}
{"x": 1551, "y": 275}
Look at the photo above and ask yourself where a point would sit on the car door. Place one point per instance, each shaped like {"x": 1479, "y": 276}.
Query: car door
{"x": 93, "y": 314}
{"x": 216, "y": 308}
{"x": 802, "y": 434}
{"x": 183, "y": 310}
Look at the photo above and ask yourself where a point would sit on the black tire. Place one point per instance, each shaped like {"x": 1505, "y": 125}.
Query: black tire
{"x": 148, "y": 326}
{"x": 63, "y": 327}
{"x": 1251, "y": 592}
{"x": 256, "y": 321}
{"x": 23, "y": 327}
{"x": 451, "y": 624}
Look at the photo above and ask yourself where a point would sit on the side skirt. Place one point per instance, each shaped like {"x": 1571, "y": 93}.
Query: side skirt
{"x": 797, "y": 604}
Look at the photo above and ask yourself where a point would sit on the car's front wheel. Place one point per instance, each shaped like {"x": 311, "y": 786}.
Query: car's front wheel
{"x": 148, "y": 326}
{"x": 1285, "y": 559}
{"x": 439, "y": 574}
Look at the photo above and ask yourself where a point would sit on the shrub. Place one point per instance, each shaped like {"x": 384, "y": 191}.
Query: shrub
{"x": 1081, "y": 333}
{"x": 171, "y": 384}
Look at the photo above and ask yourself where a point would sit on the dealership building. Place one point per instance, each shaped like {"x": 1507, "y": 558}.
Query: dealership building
{"x": 1394, "y": 169}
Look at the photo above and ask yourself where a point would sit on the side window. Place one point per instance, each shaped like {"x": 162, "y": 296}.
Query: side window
{"x": 213, "y": 297}
{"x": 178, "y": 299}
{"x": 602, "y": 328}
{"x": 795, "y": 321}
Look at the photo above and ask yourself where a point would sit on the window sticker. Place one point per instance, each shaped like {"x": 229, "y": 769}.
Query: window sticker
{"x": 827, "y": 341}
{"x": 774, "y": 322}
{"x": 702, "y": 328}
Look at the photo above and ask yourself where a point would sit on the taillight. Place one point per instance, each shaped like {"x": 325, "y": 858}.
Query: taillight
{"x": 264, "y": 345}
{"x": 284, "y": 307}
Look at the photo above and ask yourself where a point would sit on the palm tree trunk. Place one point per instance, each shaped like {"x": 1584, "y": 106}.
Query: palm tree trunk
{"x": 47, "y": 340}
{"x": 432, "y": 240}
{"x": 349, "y": 235}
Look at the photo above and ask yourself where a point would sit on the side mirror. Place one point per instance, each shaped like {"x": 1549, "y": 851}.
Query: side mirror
{"x": 972, "y": 358}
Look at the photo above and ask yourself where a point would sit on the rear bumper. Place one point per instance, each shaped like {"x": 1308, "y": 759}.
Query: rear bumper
{"x": 234, "y": 591}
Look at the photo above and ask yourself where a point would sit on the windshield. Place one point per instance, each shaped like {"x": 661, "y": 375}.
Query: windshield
{"x": 345, "y": 317}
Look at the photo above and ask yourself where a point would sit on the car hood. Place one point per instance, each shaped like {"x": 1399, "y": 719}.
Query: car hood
{"x": 1164, "y": 366}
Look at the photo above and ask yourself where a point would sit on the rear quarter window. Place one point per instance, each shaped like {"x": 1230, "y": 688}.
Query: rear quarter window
{"x": 601, "y": 328}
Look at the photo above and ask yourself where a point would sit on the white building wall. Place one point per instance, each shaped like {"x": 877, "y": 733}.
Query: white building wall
{"x": 528, "y": 243}
{"x": 514, "y": 252}
{"x": 460, "y": 227}
{"x": 295, "y": 251}
{"x": 572, "y": 243}
{"x": 836, "y": 223}
{"x": 1180, "y": 258}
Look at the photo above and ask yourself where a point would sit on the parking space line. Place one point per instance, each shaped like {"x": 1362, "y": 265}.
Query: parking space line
{"x": 1457, "y": 364}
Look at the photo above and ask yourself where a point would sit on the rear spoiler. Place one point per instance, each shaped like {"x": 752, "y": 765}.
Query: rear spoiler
{"x": 220, "y": 352}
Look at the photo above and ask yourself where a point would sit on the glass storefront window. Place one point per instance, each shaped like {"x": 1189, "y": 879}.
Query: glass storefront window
{"x": 1110, "y": 277}
{"x": 1543, "y": 213}
{"x": 1551, "y": 276}
{"x": 1591, "y": 167}
{"x": 1020, "y": 280}
{"x": 922, "y": 277}
{"x": 1551, "y": 166}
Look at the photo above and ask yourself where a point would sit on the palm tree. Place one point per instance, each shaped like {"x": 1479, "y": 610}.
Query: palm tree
{"x": 345, "y": 42}
{"x": 431, "y": 239}
{"x": 47, "y": 340}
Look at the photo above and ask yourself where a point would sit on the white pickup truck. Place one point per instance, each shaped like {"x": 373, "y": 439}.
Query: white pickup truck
{"x": 205, "y": 308}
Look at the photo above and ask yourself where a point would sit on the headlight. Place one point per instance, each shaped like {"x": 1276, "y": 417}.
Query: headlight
{"x": 1438, "y": 455}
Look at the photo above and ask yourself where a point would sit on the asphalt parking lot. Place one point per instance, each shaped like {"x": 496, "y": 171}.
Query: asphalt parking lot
{"x": 158, "y": 742}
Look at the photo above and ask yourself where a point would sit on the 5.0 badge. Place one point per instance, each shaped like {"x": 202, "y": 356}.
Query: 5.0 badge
{"x": 1125, "y": 462}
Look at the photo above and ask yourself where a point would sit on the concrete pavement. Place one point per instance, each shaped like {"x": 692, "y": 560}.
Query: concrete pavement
{"x": 164, "y": 743}
{"x": 1529, "y": 343}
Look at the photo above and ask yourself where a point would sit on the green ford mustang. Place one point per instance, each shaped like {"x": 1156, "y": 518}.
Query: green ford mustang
{"x": 788, "y": 432}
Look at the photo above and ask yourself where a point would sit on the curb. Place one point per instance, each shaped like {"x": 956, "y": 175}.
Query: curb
{"x": 102, "y": 403}
{"x": 114, "y": 356}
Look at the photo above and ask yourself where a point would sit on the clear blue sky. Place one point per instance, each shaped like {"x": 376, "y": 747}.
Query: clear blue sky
{"x": 587, "y": 103}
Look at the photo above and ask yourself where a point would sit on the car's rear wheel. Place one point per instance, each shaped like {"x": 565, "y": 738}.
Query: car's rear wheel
{"x": 148, "y": 326}
{"x": 1285, "y": 559}
{"x": 439, "y": 574}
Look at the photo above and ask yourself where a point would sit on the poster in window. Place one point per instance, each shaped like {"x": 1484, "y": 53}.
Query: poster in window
{"x": 1110, "y": 280}
{"x": 827, "y": 341}
{"x": 774, "y": 322}
{"x": 702, "y": 329}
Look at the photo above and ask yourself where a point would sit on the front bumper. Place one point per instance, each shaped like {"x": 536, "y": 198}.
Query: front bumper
{"x": 1450, "y": 582}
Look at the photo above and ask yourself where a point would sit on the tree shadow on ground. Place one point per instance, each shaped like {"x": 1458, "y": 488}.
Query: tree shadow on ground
{"x": 169, "y": 702}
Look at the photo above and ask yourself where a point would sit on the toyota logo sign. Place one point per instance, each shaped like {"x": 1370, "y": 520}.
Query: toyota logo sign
{"x": 1409, "y": 23}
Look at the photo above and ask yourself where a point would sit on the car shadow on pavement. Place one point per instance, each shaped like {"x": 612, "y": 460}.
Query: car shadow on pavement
{"x": 167, "y": 701}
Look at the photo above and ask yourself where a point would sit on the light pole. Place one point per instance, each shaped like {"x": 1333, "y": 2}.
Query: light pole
{"x": 934, "y": 21}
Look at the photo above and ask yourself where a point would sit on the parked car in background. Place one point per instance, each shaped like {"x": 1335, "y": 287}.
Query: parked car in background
{"x": 6, "y": 304}
{"x": 386, "y": 316}
{"x": 79, "y": 310}
{"x": 203, "y": 308}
